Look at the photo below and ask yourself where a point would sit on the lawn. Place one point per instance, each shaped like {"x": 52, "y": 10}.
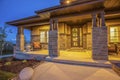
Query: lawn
{"x": 6, "y": 75}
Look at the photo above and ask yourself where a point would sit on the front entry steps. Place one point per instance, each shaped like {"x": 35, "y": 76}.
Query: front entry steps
{"x": 100, "y": 63}
{"x": 116, "y": 66}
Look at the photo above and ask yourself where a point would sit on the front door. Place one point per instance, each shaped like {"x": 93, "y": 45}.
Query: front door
{"x": 75, "y": 37}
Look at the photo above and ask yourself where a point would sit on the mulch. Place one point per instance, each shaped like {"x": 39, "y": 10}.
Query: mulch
{"x": 16, "y": 65}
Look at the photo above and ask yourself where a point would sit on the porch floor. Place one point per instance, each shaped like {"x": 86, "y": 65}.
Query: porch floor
{"x": 85, "y": 55}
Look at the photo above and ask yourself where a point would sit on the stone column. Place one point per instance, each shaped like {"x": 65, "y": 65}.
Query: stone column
{"x": 53, "y": 38}
{"x": 20, "y": 39}
{"x": 99, "y": 39}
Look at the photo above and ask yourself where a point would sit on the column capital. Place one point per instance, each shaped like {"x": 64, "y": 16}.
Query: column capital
{"x": 20, "y": 30}
{"x": 54, "y": 24}
{"x": 51, "y": 24}
{"x": 94, "y": 20}
{"x": 102, "y": 13}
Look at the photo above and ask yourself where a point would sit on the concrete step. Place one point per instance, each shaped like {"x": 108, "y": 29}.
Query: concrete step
{"x": 104, "y": 64}
{"x": 116, "y": 66}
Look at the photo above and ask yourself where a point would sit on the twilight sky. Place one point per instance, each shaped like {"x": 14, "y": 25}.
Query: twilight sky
{"x": 16, "y": 9}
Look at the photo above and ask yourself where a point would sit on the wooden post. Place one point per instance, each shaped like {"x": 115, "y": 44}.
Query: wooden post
{"x": 94, "y": 20}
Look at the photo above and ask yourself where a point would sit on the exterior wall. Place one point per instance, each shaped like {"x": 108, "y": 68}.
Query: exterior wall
{"x": 99, "y": 39}
{"x": 64, "y": 32}
{"x": 64, "y": 36}
{"x": 87, "y": 35}
{"x": 68, "y": 37}
{"x": 112, "y": 24}
{"x": 35, "y": 34}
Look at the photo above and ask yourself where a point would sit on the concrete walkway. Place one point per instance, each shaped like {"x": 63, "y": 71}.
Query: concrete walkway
{"x": 56, "y": 71}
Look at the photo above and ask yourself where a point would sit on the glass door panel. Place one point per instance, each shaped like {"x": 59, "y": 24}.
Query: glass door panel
{"x": 75, "y": 37}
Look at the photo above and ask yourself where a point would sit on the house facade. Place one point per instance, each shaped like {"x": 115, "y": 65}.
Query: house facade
{"x": 84, "y": 24}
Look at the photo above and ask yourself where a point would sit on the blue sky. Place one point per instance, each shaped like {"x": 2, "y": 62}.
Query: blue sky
{"x": 16, "y": 9}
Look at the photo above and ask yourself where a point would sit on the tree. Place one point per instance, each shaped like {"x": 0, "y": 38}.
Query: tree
{"x": 3, "y": 35}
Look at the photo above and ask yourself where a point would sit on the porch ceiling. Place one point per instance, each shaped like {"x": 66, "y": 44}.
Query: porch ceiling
{"x": 111, "y": 5}
{"x": 76, "y": 19}
{"x": 78, "y": 8}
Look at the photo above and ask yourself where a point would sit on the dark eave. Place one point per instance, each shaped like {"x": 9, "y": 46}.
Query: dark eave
{"x": 27, "y": 20}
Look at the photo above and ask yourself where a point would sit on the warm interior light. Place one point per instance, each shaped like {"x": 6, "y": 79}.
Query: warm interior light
{"x": 67, "y": 1}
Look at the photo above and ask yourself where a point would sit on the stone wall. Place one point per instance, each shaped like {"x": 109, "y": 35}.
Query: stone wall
{"x": 53, "y": 43}
{"x": 99, "y": 39}
{"x": 87, "y": 35}
{"x": 35, "y": 34}
{"x": 62, "y": 41}
{"x": 20, "y": 42}
{"x": 64, "y": 36}
{"x": 35, "y": 38}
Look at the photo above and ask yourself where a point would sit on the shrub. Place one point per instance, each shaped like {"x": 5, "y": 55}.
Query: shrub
{"x": 24, "y": 61}
{"x": 7, "y": 63}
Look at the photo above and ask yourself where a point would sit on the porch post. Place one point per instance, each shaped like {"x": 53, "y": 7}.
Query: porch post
{"x": 99, "y": 39}
{"x": 20, "y": 39}
{"x": 53, "y": 38}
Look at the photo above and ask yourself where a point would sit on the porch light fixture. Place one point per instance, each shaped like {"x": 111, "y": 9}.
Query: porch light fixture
{"x": 68, "y": 2}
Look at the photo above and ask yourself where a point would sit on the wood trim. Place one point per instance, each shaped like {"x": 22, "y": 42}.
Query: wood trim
{"x": 88, "y": 12}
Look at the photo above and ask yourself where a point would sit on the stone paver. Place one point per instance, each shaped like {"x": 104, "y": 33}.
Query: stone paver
{"x": 56, "y": 71}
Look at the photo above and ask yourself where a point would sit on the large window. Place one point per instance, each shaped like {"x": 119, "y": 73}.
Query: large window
{"x": 44, "y": 36}
{"x": 114, "y": 34}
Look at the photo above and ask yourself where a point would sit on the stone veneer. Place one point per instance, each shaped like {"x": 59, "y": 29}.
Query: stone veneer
{"x": 99, "y": 40}
{"x": 53, "y": 43}
{"x": 62, "y": 41}
{"x": 20, "y": 42}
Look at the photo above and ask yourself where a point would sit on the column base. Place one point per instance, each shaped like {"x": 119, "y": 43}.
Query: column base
{"x": 99, "y": 43}
{"x": 99, "y": 57}
{"x": 20, "y": 42}
{"x": 53, "y": 44}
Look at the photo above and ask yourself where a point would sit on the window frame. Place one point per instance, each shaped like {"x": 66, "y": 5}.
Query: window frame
{"x": 118, "y": 26}
{"x": 46, "y": 35}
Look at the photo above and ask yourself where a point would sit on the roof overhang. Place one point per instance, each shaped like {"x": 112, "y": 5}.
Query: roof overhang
{"x": 28, "y": 20}
{"x": 80, "y": 8}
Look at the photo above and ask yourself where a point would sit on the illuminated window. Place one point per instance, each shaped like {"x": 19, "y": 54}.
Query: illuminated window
{"x": 114, "y": 34}
{"x": 44, "y": 36}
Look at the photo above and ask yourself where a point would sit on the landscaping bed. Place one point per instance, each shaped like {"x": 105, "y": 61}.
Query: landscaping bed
{"x": 6, "y": 75}
{"x": 14, "y": 66}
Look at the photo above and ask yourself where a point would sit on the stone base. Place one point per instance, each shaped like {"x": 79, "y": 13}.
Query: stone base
{"x": 99, "y": 43}
{"x": 53, "y": 43}
{"x": 20, "y": 42}
{"x": 99, "y": 57}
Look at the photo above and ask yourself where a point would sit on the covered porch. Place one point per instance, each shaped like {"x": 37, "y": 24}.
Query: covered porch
{"x": 76, "y": 18}
{"x": 73, "y": 55}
